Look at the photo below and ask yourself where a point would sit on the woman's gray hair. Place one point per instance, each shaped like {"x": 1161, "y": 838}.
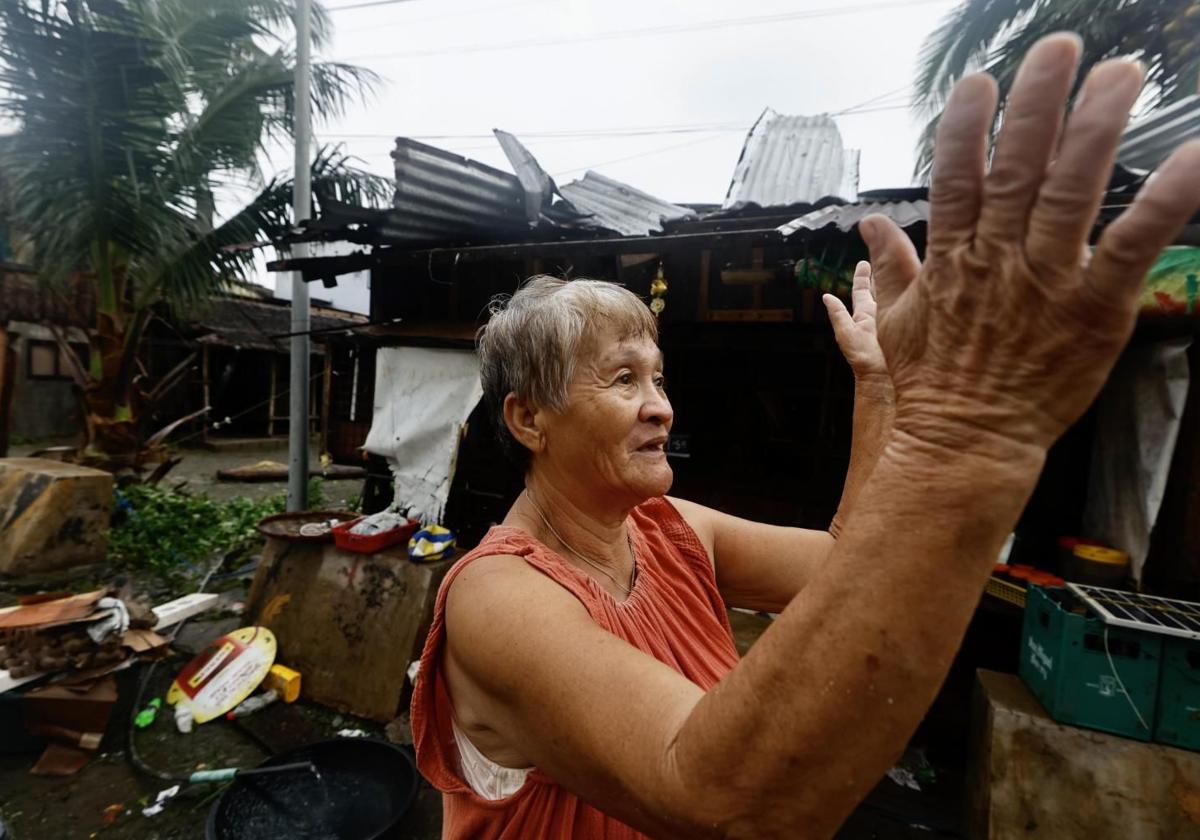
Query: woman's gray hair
{"x": 531, "y": 344}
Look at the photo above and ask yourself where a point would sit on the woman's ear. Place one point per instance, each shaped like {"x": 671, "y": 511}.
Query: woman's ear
{"x": 523, "y": 423}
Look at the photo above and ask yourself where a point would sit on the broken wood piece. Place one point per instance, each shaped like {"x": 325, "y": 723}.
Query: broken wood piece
{"x": 8, "y": 681}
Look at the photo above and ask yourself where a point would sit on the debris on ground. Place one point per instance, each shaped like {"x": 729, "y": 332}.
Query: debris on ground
{"x": 225, "y": 673}
{"x": 160, "y": 801}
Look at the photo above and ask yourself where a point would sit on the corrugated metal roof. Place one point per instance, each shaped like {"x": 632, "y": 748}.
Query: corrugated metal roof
{"x": 620, "y": 207}
{"x": 1149, "y": 141}
{"x": 791, "y": 160}
{"x": 846, "y": 216}
{"x": 442, "y": 197}
{"x": 253, "y": 324}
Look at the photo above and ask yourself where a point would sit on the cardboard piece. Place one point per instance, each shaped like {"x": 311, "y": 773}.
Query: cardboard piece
{"x": 59, "y": 611}
{"x": 80, "y": 708}
{"x": 73, "y": 718}
{"x": 61, "y": 760}
{"x": 142, "y": 641}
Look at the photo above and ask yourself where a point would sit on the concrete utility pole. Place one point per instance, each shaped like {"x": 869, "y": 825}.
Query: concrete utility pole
{"x": 297, "y": 494}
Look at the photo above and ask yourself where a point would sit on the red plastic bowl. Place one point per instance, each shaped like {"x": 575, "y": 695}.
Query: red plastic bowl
{"x": 369, "y": 544}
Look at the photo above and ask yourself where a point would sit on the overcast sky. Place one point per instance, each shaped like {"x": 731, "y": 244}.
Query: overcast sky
{"x": 463, "y": 67}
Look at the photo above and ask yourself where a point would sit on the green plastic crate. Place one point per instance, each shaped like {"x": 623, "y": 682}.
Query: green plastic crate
{"x": 1064, "y": 663}
{"x": 1178, "y": 721}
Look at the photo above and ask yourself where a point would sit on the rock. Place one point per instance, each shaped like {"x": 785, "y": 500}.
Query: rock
{"x": 53, "y": 516}
{"x": 399, "y": 731}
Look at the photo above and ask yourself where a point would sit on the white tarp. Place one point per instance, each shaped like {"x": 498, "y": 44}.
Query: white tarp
{"x": 1137, "y": 423}
{"x": 423, "y": 397}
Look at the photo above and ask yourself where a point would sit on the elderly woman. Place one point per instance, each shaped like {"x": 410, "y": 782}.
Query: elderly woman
{"x": 579, "y": 680}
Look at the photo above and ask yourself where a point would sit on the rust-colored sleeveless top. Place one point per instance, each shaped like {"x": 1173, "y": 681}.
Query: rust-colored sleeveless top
{"x": 674, "y": 614}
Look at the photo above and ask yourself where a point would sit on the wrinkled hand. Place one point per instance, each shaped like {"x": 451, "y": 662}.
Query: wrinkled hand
{"x": 855, "y": 333}
{"x": 1005, "y": 334}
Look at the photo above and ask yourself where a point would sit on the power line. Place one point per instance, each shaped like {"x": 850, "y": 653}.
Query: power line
{"x": 875, "y": 99}
{"x": 670, "y": 29}
{"x": 569, "y": 134}
{"x": 692, "y": 142}
{"x": 904, "y": 106}
{"x": 501, "y": 7}
{"x": 366, "y": 5}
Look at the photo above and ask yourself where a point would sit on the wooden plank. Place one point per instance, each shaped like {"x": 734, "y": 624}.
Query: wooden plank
{"x": 756, "y": 293}
{"x": 326, "y": 387}
{"x": 746, "y": 276}
{"x": 751, "y": 316}
{"x": 176, "y": 611}
{"x": 316, "y": 268}
{"x": 8, "y": 373}
{"x": 9, "y": 682}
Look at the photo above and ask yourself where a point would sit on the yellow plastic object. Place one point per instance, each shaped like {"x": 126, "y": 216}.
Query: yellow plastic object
{"x": 283, "y": 681}
{"x": 1100, "y": 554}
{"x": 225, "y": 673}
{"x": 1005, "y": 591}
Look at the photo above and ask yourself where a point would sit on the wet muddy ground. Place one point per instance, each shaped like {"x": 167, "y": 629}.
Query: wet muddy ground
{"x": 73, "y": 808}
{"x": 70, "y": 808}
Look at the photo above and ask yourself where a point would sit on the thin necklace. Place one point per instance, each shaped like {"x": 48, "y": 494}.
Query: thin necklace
{"x": 628, "y": 590}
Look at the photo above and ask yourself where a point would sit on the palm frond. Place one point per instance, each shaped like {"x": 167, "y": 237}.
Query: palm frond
{"x": 213, "y": 259}
{"x": 994, "y": 35}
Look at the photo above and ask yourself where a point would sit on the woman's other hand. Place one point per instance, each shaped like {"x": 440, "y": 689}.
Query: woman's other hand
{"x": 1005, "y": 334}
{"x": 855, "y": 332}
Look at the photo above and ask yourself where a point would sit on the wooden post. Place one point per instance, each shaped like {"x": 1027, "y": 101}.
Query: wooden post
{"x": 271, "y": 397}
{"x": 7, "y": 375}
{"x": 207, "y": 393}
{"x": 326, "y": 388}
{"x": 756, "y": 291}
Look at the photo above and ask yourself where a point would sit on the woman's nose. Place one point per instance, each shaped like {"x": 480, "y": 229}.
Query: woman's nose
{"x": 657, "y": 409}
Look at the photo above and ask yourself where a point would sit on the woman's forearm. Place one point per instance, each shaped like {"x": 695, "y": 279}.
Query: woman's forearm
{"x": 874, "y": 407}
{"x": 823, "y": 703}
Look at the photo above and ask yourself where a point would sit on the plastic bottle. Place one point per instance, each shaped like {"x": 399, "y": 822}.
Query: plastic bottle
{"x": 253, "y": 704}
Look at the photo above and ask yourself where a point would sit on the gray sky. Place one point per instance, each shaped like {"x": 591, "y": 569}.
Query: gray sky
{"x": 448, "y": 71}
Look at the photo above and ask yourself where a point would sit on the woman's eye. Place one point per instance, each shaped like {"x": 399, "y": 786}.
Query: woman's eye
{"x": 625, "y": 378}
{"x": 660, "y": 382}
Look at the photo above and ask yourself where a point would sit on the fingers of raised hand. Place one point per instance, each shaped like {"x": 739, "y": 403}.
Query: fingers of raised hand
{"x": 1032, "y": 117}
{"x": 839, "y": 316}
{"x": 1130, "y": 244}
{"x": 959, "y": 162}
{"x": 861, "y": 293}
{"x": 894, "y": 262}
{"x": 1074, "y": 187}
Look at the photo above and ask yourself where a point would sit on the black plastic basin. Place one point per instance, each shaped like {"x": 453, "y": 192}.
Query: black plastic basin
{"x": 361, "y": 791}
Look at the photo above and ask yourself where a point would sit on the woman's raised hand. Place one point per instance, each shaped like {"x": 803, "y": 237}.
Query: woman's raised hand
{"x": 855, "y": 332}
{"x": 1004, "y": 335}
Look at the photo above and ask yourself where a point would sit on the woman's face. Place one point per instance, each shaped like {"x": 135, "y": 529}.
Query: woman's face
{"x": 613, "y": 433}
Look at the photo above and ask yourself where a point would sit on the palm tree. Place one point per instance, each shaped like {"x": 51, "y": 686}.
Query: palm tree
{"x": 993, "y": 35}
{"x": 130, "y": 116}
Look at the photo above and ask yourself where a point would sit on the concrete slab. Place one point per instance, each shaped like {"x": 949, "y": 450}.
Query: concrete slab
{"x": 1032, "y": 778}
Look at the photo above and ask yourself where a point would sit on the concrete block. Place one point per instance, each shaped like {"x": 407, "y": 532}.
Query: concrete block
{"x": 53, "y": 516}
{"x": 1032, "y": 778}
